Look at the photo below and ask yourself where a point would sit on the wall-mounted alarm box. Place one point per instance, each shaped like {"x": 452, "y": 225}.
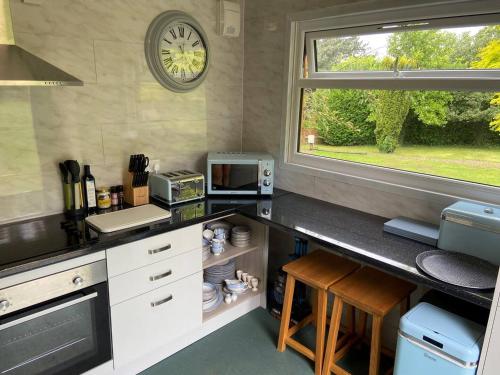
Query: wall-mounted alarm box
{"x": 229, "y": 18}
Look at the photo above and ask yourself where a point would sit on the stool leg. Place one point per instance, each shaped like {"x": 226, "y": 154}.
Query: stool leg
{"x": 285, "y": 313}
{"x": 314, "y": 305}
{"x": 333, "y": 333}
{"x": 375, "y": 345}
{"x": 320, "y": 330}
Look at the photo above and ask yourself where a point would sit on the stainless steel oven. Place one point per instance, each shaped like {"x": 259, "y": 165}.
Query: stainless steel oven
{"x": 57, "y": 324}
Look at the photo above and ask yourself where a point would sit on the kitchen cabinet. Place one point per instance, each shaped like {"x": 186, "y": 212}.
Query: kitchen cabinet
{"x": 155, "y": 291}
{"x": 141, "y": 253}
{"x": 153, "y": 319}
{"x": 145, "y": 279}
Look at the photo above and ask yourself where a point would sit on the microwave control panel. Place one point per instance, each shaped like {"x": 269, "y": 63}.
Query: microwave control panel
{"x": 267, "y": 177}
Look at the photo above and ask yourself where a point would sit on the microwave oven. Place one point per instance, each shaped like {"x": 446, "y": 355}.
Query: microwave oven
{"x": 241, "y": 173}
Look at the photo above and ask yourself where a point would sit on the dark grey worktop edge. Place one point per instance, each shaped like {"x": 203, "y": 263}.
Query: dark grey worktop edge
{"x": 360, "y": 255}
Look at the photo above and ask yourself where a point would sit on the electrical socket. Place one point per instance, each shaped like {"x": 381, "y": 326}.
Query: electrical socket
{"x": 154, "y": 165}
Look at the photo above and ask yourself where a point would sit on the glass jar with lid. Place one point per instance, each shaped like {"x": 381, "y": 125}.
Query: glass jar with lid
{"x": 103, "y": 198}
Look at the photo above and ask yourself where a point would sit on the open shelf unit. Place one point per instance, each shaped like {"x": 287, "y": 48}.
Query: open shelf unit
{"x": 230, "y": 252}
{"x": 224, "y": 307}
{"x": 251, "y": 259}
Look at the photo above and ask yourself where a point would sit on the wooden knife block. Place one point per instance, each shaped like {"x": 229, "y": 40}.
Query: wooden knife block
{"x": 135, "y": 196}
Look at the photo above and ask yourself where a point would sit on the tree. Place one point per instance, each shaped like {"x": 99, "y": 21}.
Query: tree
{"x": 332, "y": 51}
{"x": 428, "y": 49}
{"x": 482, "y": 39}
{"x": 390, "y": 109}
{"x": 490, "y": 59}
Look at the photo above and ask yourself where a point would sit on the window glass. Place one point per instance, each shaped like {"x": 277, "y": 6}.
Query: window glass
{"x": 400, "y": 47}
{"x": 441, "y": 133}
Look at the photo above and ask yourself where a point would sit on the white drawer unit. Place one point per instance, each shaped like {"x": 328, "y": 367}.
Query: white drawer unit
{"x": 154, "y": 319}
{"x": 141, "y": 253}
{"x": 145, "y": 279}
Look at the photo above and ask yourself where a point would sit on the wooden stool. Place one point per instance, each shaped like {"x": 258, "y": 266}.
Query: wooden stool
{"x": 370, "y": 291}
{"x": 319, "y": 270}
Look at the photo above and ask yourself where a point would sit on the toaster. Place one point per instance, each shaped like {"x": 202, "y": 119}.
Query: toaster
{"x": 177, "y": 186}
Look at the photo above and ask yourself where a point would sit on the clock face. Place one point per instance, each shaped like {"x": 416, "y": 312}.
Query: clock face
{"x": 183, "y": 52}
{"x": 177, "y": 51}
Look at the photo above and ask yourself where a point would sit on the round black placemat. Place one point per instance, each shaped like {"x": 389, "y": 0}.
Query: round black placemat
{"x": 458, "y": 269}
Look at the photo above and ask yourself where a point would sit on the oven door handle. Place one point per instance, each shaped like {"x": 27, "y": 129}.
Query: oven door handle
{"x": 47, "y": 311}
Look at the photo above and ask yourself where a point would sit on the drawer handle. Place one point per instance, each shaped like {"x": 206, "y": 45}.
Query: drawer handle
{"x": 162, "y": 301}
{"x": 159, "y": 250}
{"x": 160, "y": 276}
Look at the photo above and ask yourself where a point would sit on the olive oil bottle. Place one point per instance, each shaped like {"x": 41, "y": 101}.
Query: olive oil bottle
{"x": 89, "y": 190}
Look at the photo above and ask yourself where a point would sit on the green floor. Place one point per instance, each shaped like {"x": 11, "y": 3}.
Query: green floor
{"x": 247, "y": 346}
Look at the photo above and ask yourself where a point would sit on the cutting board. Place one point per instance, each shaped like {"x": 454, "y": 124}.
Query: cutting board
{"x": 128, "y": 218}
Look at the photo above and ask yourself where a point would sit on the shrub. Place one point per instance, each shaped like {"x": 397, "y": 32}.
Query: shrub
{"x": 389, "y": 112}
{"x": 340, "y": 116}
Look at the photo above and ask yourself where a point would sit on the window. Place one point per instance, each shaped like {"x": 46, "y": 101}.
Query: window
{"x": 407, "y": 101}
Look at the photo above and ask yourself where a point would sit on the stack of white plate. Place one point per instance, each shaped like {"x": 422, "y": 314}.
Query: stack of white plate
{"x": 240, "y": 236}
{"x": 235, "y": 287}
{"x": 212, "y": 297}
{"x": 221, "y": 224}
{"x": 220, "y": 272}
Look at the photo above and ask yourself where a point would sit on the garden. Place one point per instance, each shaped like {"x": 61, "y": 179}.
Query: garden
{"x": 453, "y": 134}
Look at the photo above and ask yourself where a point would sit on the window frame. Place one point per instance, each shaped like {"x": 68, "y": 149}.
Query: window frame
{"x": 347, "y": 17}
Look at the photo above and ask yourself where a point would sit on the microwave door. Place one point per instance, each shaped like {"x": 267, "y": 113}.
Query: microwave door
{"x": 235, "y": 178}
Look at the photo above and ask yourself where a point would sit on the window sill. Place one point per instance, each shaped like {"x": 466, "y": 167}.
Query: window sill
{"x": 400, "y": 182}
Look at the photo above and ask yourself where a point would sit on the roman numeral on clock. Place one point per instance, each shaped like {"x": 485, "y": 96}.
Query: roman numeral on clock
{"x": 166, "y": 40}
{"x": 168, "y": 62}
{"x": 165, "y": 52}
{"x": 195, "y": 43}
{"x": 181, "y": 31}
{"x": 189, "y": 36}
{"x": 175, "y": 69}
{"x": 172, "y": 32}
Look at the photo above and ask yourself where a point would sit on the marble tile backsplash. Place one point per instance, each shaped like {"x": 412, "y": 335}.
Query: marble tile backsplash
{"x": 120, "y": 110}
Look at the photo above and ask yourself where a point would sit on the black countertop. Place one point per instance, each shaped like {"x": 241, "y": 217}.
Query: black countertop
{"x": 359, "y": 236}
{"x": 34, "y": 243}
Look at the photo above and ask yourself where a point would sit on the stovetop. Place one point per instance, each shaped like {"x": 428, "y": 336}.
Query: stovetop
{"x": 38, "y": 238}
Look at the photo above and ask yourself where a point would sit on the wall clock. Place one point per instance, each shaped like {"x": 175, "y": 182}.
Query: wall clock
{"x": 177, "y": 51}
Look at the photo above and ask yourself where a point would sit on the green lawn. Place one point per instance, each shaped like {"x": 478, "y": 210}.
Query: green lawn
{"x": 474, "y": 164}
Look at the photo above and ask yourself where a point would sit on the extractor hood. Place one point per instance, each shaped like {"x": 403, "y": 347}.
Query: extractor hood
{"x": 18, "y": 67}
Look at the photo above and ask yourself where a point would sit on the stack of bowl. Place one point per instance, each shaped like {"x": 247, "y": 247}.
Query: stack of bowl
{"x": 240, "y": 236}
